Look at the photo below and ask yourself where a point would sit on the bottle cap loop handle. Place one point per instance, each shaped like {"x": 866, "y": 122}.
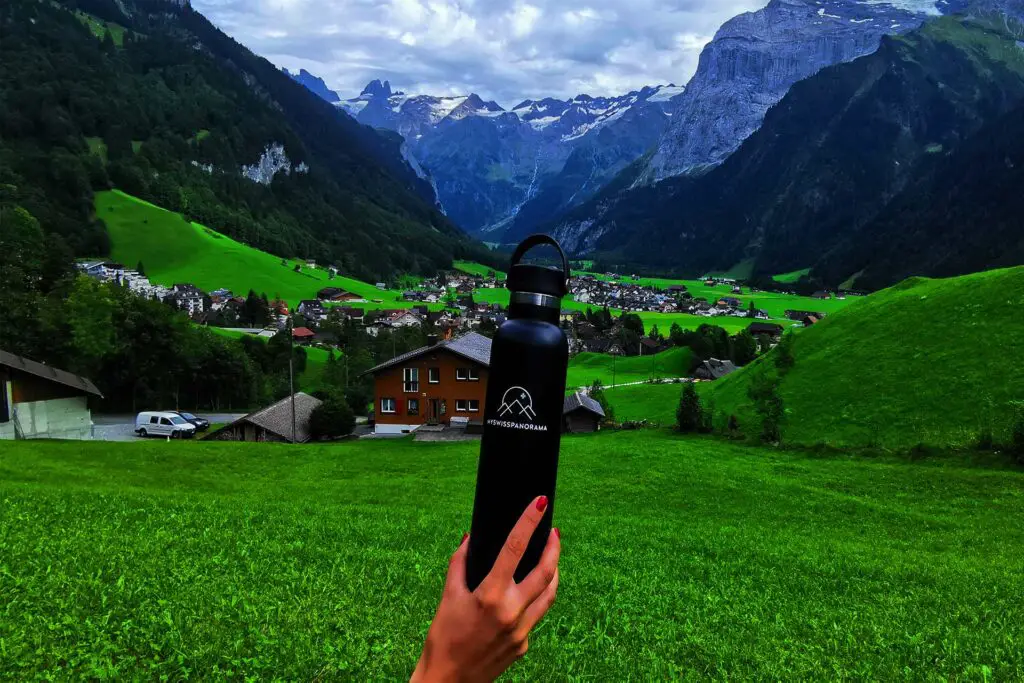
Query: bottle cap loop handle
{"x": 536, "y": 241}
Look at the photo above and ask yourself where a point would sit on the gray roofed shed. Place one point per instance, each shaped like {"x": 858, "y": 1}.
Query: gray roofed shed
{"x": 275, "y": 420}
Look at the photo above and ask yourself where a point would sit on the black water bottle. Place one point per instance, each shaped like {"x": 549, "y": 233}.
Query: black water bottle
{"x": 522, "y": 415}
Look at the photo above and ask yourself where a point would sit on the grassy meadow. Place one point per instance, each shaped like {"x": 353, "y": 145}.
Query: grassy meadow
{"x": 584, "y": 368}
{"x": 655, "y": 403}
{"x": 683, "y": 559}
{"x": 173, "y": 249}
{"x": 926, "y": 361}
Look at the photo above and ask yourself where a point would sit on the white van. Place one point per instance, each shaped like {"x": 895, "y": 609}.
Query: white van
{"x": 164, "y": 424}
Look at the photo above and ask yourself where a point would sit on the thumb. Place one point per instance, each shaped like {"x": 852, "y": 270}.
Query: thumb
{"x": 456, "y": 580}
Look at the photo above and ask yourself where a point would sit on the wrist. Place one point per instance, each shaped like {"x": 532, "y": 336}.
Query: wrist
{"x": 428, "y": 668}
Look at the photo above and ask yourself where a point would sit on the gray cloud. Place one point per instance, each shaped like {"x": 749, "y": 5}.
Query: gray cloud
{"x": 502, "y": 50}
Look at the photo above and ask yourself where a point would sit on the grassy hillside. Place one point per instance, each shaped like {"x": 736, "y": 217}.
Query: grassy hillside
{"x": 788, "y": 278}
{"x": 477, "y": 269}
{"x": 173, "y": 249}
{"x": 586, "y": 367}
{"x": 683, "y": 559}
{"x": 927, "y": 361}
{"x": 655, "y": 403}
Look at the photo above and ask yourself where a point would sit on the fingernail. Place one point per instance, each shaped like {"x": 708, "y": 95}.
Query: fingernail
{"x": 464, "y": 537}
{"x": 542, "y": 503}
{"x": 558, "y": 533}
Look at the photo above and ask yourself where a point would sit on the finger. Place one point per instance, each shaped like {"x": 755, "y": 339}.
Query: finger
{"x": 536, "y": 611}
{"x": 515, "y": 546}
{"x": 544, "y": 573}
{"x": 457, "y": 567}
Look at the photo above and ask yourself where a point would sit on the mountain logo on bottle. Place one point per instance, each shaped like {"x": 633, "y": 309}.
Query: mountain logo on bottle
{"x": 517, "y": 402}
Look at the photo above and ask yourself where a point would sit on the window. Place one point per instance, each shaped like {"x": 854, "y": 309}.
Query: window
{"x": 474, "y": 375}
{"x": 164, "y": 421}
{"x": 474, "y": 406}
{"x": 411, "y": 380}
{"x": 444, "y": 406}
{"x": 154, "y": 420}
{"x": 462, "y": 374}
{"x": 462, "y": 406}
{"x": 413, "y": 406}
{"x": 387, "y": 405}
{"x": 434, "y": 375}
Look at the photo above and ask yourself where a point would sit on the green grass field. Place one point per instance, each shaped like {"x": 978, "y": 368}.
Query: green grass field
{"x": 316, "y": 360}
{"x": 477, "y": 269}
{"x": 789, "y": 278}
{"x": 100, "y": 27}
{"x": 927, "y": 361}
{"x": 655, "y": 403}
{"x": 173, "y": 249}
{"x": 587, "y": 367}
{"x": 683, "y": 559}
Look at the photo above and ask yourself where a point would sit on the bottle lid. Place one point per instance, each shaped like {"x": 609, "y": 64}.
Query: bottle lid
{"x": 545, "y": 280}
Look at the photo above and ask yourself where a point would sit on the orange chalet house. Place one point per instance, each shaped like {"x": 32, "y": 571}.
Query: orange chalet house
{"x": 432, "y": 385}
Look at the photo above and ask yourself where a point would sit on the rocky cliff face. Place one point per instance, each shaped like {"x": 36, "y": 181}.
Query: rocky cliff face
{"x": 875, "y": 169}
{"x": 756, "y": 57}
{"x": 502, "y": 172}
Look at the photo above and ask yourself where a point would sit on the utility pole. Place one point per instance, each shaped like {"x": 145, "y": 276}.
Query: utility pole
{"x": 291, "y": 371}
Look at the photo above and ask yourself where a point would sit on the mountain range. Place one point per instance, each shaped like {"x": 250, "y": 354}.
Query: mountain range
{"x": 498, "y": 170}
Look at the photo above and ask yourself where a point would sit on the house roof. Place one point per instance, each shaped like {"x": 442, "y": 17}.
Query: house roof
{"x": 580, "y": 401}
{"x": 47, "y": 372}
{"x": 754, "y": 328}
{"x": 277, "y": 418}
{"x": 303, "y": 332}
{"x": 719, "y": 368}
{"x": 472, "y": 346}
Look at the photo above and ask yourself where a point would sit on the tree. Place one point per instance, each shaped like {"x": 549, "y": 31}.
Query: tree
{"x": 332, "y": 419}
{"x": 632, "y": 322}
{"x": 744, "y": 348}
{"x": 690, "y": 413}
{"x": 596, "y": 392}
{"x": 784, "y": 357}
{"x": 751, "y": 310}
{"x": 141, "y": 269}
{"x": 768, "y": 404}
{"x": 654, "y": 334}
{"x": 676, "y": 335}
{"x": 255, "y": 311}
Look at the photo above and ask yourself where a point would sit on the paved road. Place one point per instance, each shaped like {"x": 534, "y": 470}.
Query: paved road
{"x": 122, "y": 427}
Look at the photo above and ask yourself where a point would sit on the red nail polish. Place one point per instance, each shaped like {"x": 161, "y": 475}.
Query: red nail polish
{"x": 542, "y": 503}
{"x": 558, "y": 533}
{"x": 464, "y": 537}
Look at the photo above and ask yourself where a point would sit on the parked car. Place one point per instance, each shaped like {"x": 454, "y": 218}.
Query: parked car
{"x": 164, "y": 424}
{"x": 201, "y": 424}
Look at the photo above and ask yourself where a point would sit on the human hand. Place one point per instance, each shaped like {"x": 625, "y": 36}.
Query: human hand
{"x": 477, "y": 636}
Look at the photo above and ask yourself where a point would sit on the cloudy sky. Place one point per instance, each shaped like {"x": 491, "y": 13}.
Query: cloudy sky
{"x": 506, "y": 50}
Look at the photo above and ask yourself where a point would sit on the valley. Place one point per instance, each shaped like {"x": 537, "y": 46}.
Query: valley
{"x": 791, "y": 445}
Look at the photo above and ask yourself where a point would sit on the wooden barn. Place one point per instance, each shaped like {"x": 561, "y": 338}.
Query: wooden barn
{"x": 581, "y": 414}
